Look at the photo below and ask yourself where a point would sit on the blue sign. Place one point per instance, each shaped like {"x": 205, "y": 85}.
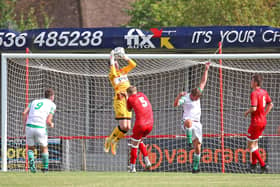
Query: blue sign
{"x": 155, "y": 38}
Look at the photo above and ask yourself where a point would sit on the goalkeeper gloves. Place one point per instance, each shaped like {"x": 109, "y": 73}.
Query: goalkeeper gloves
{"x": 118, "y": 52}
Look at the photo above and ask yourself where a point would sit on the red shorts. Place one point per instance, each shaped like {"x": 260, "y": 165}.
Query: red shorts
{"x": 140, "y": 131}
{"x": 255, "y": 130}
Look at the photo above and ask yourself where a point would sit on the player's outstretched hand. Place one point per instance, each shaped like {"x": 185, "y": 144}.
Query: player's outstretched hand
{"x": 207, "y": 65}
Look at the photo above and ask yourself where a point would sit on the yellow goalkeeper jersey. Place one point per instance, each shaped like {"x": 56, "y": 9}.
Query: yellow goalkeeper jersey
{"x": 119, "y": 79}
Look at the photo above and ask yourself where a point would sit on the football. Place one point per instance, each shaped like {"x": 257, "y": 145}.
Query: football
{"x": 119, "y": 52}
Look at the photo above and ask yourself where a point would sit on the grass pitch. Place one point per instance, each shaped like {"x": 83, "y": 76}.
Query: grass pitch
{"x": 140, "y": 179}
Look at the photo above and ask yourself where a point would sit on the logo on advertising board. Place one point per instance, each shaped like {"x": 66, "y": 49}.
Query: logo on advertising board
{"x": 136, "y": 38}
{"x": 16, "y": 153}
{"x": 175, "y": 155}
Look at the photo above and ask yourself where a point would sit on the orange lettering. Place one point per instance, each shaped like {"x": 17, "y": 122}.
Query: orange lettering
{"x": 207, "y": 156}
{"x": 170, "y": 160}
{"x": 182, "y": 156}
{"x": 228, "y": 156}
{"x": 191, "y": 155}
{"x": 243, "y": 154}
{"x": 216, "y": 155}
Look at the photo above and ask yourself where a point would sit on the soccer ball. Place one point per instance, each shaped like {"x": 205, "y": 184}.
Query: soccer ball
{"x": 119, "y": 52}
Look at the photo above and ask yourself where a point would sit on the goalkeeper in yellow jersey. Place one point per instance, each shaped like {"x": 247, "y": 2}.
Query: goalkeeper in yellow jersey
{"x": 120, "y": 82}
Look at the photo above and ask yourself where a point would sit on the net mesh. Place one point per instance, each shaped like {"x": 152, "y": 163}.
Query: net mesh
{"x": 85, "y": 115}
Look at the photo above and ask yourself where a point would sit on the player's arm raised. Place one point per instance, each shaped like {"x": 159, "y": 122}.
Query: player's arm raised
{"x": 112, "y": 63}
{"x": 131, "y": 63}
{"x": 204, "y": 77}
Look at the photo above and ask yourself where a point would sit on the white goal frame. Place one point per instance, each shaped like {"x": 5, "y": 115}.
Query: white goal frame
{"x": 4, "y": 84}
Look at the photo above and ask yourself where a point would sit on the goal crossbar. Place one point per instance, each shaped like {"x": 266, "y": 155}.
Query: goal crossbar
{"x": 160, "y": 56}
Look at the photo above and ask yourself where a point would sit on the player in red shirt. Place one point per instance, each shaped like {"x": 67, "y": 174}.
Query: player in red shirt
{"x": 142, "y": 127}
{"x": 261, "y": 105}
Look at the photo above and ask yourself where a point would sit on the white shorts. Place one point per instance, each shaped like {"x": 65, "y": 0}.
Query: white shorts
{"x": 36, "y": 136}
{"x": 196, "y": 129}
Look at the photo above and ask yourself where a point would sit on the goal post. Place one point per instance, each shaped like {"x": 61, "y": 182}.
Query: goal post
{"x": 85, "y": 116}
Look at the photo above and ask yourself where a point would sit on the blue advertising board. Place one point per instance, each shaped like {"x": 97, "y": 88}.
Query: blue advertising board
{"x": 154, "y": 38}
{"x": 16, "y": 153}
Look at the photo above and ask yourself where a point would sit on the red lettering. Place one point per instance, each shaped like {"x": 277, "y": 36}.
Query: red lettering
{"x": 152, "y": 155}
{"x": 170, "y": 160}
{"x": 182, "y": 156}
{"x": 207, "y": 156}
{"x": 228, "y": 156}
{"x": 243, "y": 154}
{"x": 191, "y": 156}
{"x": 216, "y": 155}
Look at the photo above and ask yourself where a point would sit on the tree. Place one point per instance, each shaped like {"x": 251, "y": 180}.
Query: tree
{"x": 6, "y": 13}
{"x": 10, "y": 20}
{"x": 167, "y": 13}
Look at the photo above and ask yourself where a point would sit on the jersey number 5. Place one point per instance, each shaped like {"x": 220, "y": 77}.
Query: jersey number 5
{"x": 143, "y": 101}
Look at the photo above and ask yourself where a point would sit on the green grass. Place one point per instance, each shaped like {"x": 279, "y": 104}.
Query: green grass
{"x": 140, "y": 179}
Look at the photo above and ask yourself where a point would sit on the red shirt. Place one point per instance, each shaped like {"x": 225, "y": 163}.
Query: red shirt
{"x": 259, "y": 99}
{"x": 142, "y": 108}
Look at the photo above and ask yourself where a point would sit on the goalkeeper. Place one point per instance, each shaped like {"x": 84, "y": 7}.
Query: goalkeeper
{"x": 191, "y": 117}
{"x": 119, "y": 80}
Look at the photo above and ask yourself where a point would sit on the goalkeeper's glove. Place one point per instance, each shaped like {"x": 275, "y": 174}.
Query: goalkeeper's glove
{"x": 112, "y": 58}
{"x": 119, "y": 52}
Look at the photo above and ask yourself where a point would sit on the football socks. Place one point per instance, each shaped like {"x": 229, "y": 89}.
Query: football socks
{"x": 196, "y": 159}
{"x": 45, "y": 160}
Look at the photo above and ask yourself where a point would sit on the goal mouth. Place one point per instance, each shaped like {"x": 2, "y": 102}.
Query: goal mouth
{"x": 85, "y": 116}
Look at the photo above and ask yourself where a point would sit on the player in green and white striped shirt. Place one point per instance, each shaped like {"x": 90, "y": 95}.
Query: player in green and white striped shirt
{"x": 36, "y": 116}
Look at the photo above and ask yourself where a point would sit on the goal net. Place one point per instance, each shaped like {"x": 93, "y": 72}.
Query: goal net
{"x": 85, "y": 116}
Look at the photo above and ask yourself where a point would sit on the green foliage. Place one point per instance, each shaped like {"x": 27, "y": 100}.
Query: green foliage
{"x": 31, "y": 22}
{"x": 168, "y": 13}
{"x": 8, "y": 17}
